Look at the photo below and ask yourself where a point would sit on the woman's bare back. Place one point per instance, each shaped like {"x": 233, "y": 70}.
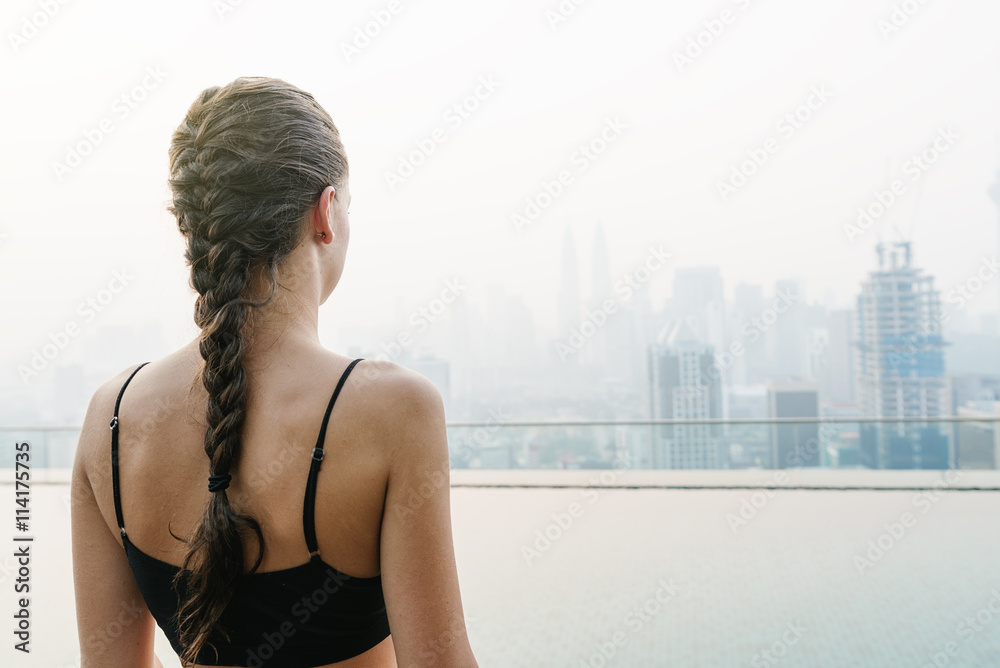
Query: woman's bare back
{"x": 164, "y": 468}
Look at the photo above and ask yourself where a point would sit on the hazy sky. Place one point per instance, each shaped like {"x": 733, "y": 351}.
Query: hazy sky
{"x": 677, "y": 131}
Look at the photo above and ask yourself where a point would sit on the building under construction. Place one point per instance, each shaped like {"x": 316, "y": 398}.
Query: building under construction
{"x": 900, "y": 364}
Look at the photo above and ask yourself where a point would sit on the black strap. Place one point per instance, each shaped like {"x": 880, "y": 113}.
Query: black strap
{"x": 308, "y": 511}
{"x": 114, "y": 452}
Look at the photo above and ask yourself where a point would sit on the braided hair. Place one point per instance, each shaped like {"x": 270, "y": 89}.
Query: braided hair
{"x": 248, "y": 162}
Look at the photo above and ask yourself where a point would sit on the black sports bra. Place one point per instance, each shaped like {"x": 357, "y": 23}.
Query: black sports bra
{"x": 300, "y": 617}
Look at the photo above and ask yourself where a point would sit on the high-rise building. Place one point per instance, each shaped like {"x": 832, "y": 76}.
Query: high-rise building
{"x": 789, "y": 338}
{"x": 995, "y": 190}
{"x": 794, "y": 445}
{"x": 685, "y": 385}
{"x": 750, "y": 368}
{"x": 601, "y": 288}
{"x": 698, "y": 299}
{"x": 569, "y": 311}
{"x": 837, "y": 385}
{"x": 900, "y": 364}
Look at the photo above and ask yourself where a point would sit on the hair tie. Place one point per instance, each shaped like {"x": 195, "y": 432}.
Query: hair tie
{"x": 217, "y": 483}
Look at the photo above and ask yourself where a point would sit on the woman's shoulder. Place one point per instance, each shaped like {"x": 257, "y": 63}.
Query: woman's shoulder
{"x": 395, "y": 383}
{"x": 404, "y": 405}
{"x": 95, "y": 433}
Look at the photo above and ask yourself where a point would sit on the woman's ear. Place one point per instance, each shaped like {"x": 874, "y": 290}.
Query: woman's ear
{"x": 323, "y": 215}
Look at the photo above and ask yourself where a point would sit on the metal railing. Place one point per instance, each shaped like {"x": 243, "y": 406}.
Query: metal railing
{"x": 738, "y": 443}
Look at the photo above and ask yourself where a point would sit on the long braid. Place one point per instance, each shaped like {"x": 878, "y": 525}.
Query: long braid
{"x": 241, "y": 187}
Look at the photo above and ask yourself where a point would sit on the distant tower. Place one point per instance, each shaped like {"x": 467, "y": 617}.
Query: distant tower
{"x": 569, "y": 311}
{"x": 900, "y": 364}
{"x": 751, "y": 367}
{"x": 600, "y": 290}
{"x": 995, "y": 190}
{"x": 698, "y": 299}
{"x": 600, "y": 286}
{"x": 788, "y": 337}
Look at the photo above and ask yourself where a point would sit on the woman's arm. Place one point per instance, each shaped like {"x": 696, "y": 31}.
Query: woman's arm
{"x": 114, "y": 625}
{"x": 419, "y": 575}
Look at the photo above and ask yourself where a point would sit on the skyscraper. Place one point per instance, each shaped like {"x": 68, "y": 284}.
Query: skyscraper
{"x": 789, "y": 337}
{"x": 684, "y": 385}
{"x": 995, "y": 190}
{"x": 569, "y": 310}
{"x": 600, "y": 276}
{"x": 750, "y": 367}
{"x": 794, "y": 444}
{"x": 900, "y": 363}
{"x": 601, "y": 288}
{"x": 698, "y": 299}
{"x": 838, "y": 385}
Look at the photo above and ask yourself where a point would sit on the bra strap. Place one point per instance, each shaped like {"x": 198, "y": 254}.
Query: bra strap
{"x": 309, "y": 507}
{"x": 114, "y": 453}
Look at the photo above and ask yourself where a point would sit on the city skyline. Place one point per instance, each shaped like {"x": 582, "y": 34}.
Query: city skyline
{"x": 753, "y": 338}
{"x": 641, "y": 142}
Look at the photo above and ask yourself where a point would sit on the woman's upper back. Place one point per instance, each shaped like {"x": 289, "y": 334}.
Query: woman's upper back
{"x": 163, "y": 470}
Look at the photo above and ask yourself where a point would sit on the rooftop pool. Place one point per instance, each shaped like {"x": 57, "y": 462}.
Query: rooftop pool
{"x": 611, "y": 576}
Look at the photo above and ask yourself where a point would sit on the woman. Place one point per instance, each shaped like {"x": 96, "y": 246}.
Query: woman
{"x": 264, "y": 501}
